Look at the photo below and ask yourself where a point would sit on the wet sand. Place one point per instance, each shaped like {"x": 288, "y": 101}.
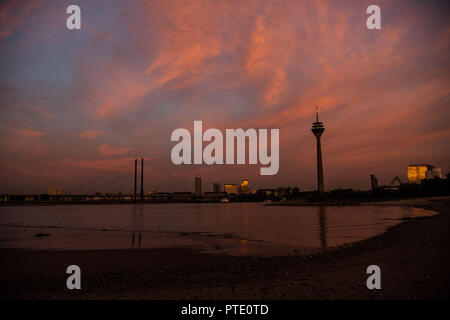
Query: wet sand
{"x": 414, "y": 258}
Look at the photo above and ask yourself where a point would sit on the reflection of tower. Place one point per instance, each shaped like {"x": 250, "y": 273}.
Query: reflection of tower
{"x": 323, "y": 227}
{"x": 142, "y": 179}
{"x": 318, "y": 129}
{"x": 135, "y": 178}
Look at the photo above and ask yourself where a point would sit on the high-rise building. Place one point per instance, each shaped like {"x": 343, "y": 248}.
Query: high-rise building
{"x": 419, "y": 172}
{"x": 217, "y": 187}
{"x": 244, "y": 186}
{"x": 317, "y": 130}
{"x": 54, "y": 191}
{"x": 230, "y": 188}
{"x": 198, "y": 184}
{"x": 434, "y": 173}
{"x": 373, "y": 182}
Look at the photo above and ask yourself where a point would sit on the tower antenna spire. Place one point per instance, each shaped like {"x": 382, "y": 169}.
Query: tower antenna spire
{"x": 317, "y": 115}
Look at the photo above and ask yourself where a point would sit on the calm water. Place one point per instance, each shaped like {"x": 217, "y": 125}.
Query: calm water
{"x": 234, "y": 228}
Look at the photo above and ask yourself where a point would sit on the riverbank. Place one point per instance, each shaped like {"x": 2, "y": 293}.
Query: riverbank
{"x": 415, "y": 202}
{"x": 413, "y": 257}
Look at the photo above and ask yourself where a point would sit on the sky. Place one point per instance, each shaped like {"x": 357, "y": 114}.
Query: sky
{"x": 78, "y": 106}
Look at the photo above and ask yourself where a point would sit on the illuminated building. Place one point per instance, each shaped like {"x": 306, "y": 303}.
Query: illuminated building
{"x": 230, "y": 188}
{"x": 54, "y": 191}
{"x": 434, "y": 173}
{"x": 419, "y": 172}
{"x": 217, "y": 187}
{"x": 318, "y": 130}
{"x": 198, "y": 184}
{"x": 244, "y": 186}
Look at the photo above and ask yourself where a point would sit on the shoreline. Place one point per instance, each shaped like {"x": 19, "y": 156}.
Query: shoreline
{"x": 295, "y": 203}
{"x": 412, "y": 202}
{"x": 413, "y": 257}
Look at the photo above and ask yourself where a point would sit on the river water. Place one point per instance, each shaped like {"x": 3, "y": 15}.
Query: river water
{"x": 231, "y": 228}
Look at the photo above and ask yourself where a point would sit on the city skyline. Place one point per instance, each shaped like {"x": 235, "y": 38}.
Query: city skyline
{"x": 82, "y": 105}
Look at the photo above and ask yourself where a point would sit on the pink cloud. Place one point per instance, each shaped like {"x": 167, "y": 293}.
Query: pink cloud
{"x": 122, "y": 164}
{"x": 29, "y": 133}
{"x": 91, "y": 134}
{"x": 107, "y": 150}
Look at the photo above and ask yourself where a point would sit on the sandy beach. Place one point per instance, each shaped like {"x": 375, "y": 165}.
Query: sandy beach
{"x": 413, "y": 257}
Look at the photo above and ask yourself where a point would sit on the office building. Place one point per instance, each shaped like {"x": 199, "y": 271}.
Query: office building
{"x": 230, "y": 188}
{"x": 419, "y": 172}
{"x": 244, "y": 186}
{"x": 217, "y": 187}
{"x": 54, "y": 191}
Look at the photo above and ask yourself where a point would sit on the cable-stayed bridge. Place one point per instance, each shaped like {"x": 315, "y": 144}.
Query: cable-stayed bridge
{"x": 130, "y": 182}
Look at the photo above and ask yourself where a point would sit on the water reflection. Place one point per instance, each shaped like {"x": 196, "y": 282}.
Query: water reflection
{"x": 139, "y": 240}
{"x": 124, "y": 226}
{"x": 323, "y": 232}
{"x": 137, "y": 225}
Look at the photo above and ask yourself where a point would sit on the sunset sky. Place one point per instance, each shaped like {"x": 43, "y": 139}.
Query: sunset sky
{"x": 78, "y": 106}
